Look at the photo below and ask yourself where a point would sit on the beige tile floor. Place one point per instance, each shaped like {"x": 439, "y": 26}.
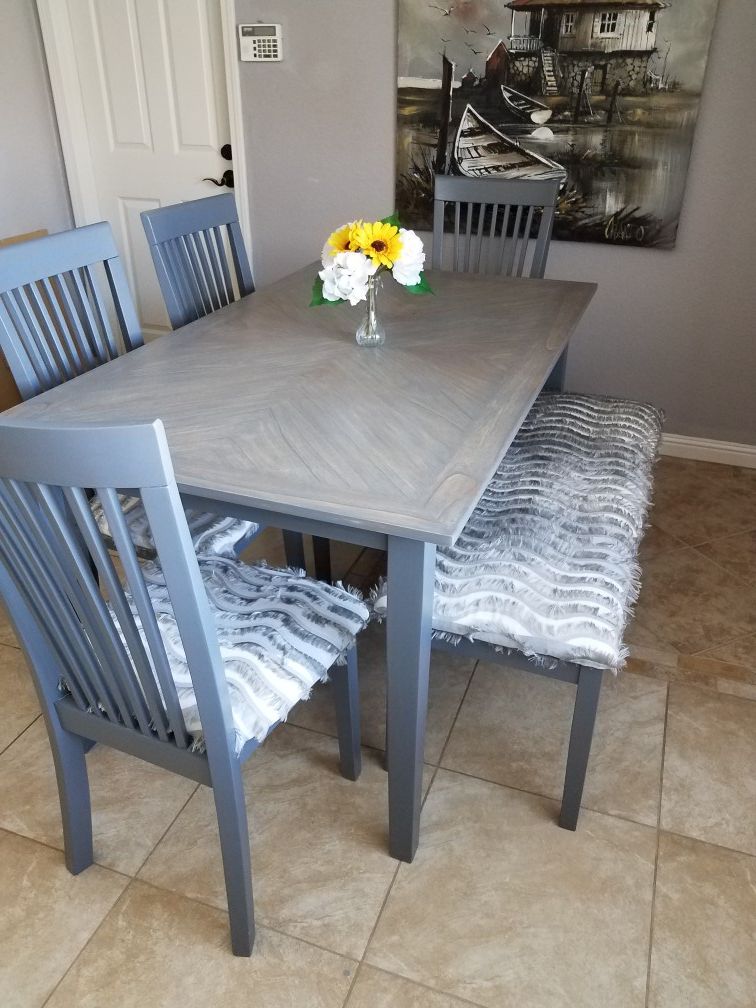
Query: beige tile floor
{"x": 651, "y": 903}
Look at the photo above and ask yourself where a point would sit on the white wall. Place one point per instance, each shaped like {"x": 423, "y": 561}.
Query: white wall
{"x": 674, "y": 327}
{"x": 32, "y": 177}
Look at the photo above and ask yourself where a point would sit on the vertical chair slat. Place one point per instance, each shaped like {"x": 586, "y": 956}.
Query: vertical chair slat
{"x": 101, "y": 315}
{"x": 190, "y": 243}
{"x": 512, "y": 245}
{"x": 49, "y": 333}
{"x": 62, "y": 327}
{"x": 25, "y": 360}
{"x": 80, "y": 334}
{"x": 55, "y": 611}
{"x": 525, "y": 242}
{"x": 100, "y": 628}
{"x": 456, "y": 236}
{"x": 501, "y": 247}
{"x": 27, "y": 574}
{"x": 140, "y": 595}
{"x": 63, "y": 570}
{"x": 35, "y": 337}
{"x": 173, "y": 251}
{"x": 77, "y": 279}
{"x": 214, "y": 267}
{"x": 82, "y": 513}
{"x": 189, "y": 274}
{"x": 220, "y": 249}
{"x": 482, "y": 207}
{"x": 492, "y": 239}
{"x": 468, "y": 235}
{"x": 207, "y": 272}
{"x": 239, "y": 257}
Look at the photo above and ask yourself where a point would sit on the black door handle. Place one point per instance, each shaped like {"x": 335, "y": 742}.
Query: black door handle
{"x": 226, "y": 179}
{"x": 226, "y": 153}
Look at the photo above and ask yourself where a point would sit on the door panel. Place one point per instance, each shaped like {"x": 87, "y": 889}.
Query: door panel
{"x": 156, "y": 112}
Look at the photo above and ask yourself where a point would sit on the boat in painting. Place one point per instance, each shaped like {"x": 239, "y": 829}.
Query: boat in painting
{"x": 481, "y": 151}
{"x": 525, "y": 107}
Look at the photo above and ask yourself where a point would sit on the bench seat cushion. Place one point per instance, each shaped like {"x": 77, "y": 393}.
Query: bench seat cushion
{"x": 210, "y": 532}
{"x": 547, "y": 563}
{"x": 279, "y": 633}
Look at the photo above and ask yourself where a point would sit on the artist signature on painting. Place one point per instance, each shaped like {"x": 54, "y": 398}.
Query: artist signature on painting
{"x": 618, "y": 230}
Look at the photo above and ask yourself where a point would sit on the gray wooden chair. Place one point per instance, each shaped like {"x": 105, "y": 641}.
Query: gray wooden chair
{"x": 66, "y": 308}
{"x": 199, "y": 256}
{"x": 202, "y": 265}
{"x": 493, "y": 224}
{"x": 142, "y": 672}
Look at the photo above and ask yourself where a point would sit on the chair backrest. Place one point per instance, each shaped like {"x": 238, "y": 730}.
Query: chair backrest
{"x": 110, "y": 658}
{"x": 190, "y": 245}
{"x": 493, "y": 224}
{"x": 65, "y": 307}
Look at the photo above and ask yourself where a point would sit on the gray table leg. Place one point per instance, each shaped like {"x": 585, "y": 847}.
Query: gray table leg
{"x": 410, "y": 602}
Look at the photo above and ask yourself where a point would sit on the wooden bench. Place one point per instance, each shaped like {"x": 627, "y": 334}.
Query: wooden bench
{"x": 544, "y": 575}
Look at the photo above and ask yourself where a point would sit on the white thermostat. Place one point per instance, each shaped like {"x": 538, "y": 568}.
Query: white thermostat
{"x": 259, "y": 42}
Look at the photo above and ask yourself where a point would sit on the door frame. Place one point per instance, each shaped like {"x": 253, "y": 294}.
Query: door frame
{"x": 69, "y": 110}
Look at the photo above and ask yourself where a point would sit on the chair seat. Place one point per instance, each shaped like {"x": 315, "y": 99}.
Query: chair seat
{"x": 211, "y": 533}
{"x": 547, "y": 562}
{"x": 279, "y": 633}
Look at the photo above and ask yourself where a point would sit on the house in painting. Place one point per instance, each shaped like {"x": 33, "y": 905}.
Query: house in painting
{"x": 552, "y": 42}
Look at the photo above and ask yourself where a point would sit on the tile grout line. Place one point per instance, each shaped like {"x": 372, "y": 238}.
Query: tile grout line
{"x": 419, "y": 983}
{"x": 23, "y": 730}
{"x": 427, "y": 794}
{"x": 88, "y": 941}
{"x": 656, "y": 856}
{"x": 165, "y": 831}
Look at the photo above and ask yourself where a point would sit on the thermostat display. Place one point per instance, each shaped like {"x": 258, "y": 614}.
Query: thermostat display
{"x": 259, "y": 42}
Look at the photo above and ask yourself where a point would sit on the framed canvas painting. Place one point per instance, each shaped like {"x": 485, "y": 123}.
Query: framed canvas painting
{"x": 602, "y": 94}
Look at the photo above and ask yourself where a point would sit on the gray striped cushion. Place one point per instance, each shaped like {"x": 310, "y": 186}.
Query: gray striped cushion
{"x": 211, "y": 533}
{"x": 547, "y": 564}
{"x": 279, "y": 633}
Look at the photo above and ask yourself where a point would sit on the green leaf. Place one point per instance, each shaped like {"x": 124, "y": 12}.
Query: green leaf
{"x": 421, "y": 288}
{"x": 392, "y": 219}
{"x": 317, "y": 294}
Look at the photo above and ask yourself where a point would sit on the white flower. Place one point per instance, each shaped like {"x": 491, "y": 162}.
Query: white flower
{"x": 347, "y": 278}
{"x": 409, "y": 264}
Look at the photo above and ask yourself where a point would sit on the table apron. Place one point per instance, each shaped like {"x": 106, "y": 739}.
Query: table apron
{"x": 289, "y": 522}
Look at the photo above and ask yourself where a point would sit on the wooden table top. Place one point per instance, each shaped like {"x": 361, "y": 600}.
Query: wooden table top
{"x": 272, "y": 404}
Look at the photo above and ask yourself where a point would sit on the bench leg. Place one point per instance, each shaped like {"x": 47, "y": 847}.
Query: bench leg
{"x": 321, "y": 549}
{"x": 346, "y": 693}
{"x": 294, "y": 549}
{"x": 581, "y": 736}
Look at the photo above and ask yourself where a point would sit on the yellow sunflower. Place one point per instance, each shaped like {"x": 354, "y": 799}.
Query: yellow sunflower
{"x": 340, "y": 240}
{"x": 382, "y": 242}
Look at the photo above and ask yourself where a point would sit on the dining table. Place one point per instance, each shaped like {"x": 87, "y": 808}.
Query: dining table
{"x": 274, "y": 413}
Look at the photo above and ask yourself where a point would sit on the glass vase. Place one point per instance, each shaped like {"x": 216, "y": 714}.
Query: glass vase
{"x": 370, "y": 332}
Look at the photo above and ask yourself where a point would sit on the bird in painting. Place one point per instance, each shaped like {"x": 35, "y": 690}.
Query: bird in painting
{"x": 488, "y": 30}
{"x": 445, "y": 11}
{"x": 476, "y": 52}
{"x": 470, "y": 31}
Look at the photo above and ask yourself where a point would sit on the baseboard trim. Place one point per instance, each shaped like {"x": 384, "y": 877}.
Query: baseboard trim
{"x": 706, "y": 450}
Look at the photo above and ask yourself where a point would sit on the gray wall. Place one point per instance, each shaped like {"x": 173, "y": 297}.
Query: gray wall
{"x": 675, "y": 327}
{"x": 32, "y": 177}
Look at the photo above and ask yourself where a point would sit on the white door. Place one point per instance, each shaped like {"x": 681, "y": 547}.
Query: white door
{"x": 150, "y": 76}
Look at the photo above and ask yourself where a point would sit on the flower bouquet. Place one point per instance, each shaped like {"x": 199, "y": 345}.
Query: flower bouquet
{"x": 354, "y": 258}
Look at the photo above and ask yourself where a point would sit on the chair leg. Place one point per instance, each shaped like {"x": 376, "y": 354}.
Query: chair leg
{"x": 581, "y": 736}
{"x": 346, "y": 695}
{"x": 294, "y": 549}
{"x": 322, "y": 551}
{"x": 73, "y": 793}
{"x": 233, "y": 830}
